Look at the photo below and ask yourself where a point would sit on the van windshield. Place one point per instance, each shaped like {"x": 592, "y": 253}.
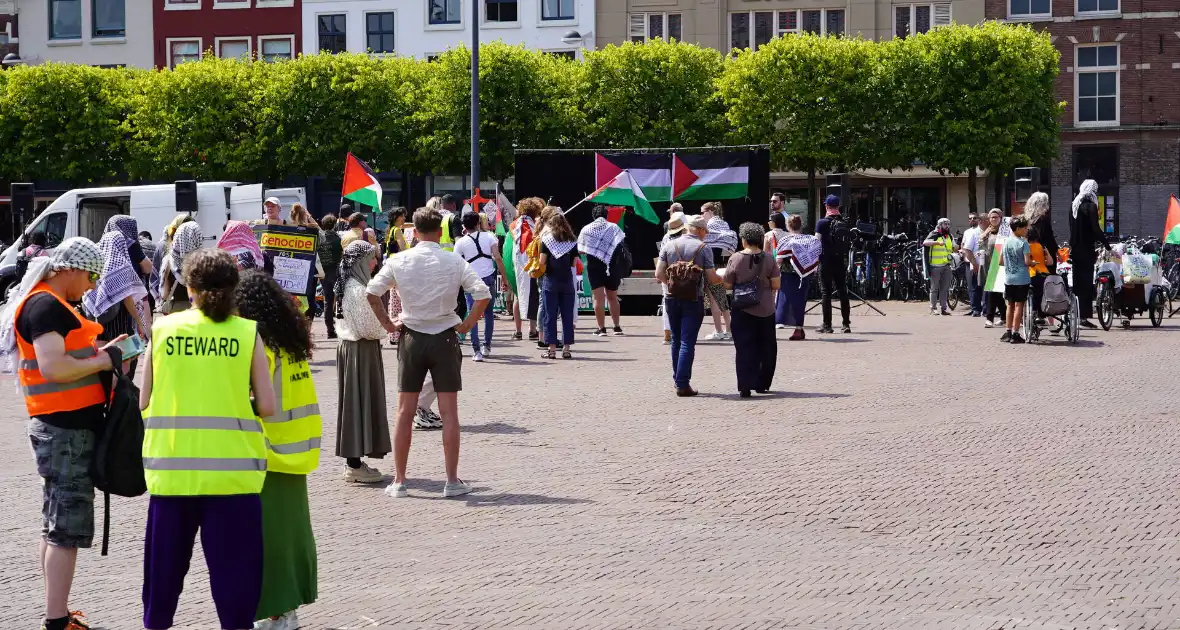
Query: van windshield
{"x": 53, "y": 226}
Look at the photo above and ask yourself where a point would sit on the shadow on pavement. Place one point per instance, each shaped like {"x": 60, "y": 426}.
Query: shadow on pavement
{"x": 491, "y": 500}
{"x": 882, "y": 332}
{"x": 842, "y": 340}
{"x": 498, "y": 428}
{"x": 773, "y": 394}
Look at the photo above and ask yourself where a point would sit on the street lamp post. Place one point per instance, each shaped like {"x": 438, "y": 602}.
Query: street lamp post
{"x": 474, "y": 104}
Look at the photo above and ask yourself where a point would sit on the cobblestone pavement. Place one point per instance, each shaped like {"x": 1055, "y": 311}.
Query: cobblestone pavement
{"x": 914, "y": 474}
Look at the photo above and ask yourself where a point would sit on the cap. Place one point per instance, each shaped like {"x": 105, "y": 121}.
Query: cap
{"x": 676, "y": 223}
{"x": 832, "y": 201}
{"x": 698, "y": 222}
{"x": 943, "y": 220}
{"x": 274, "y": 200}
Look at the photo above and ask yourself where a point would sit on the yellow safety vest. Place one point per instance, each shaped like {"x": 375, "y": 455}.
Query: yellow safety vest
{"x": 447, "y": 242}
{"x": 940, "y": 252}
{"x": 293, "y": 433}
{"x": 201, "y": 437}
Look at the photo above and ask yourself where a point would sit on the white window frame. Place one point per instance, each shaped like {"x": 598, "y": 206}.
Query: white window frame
{"x": 1030, "y": 17}
{"x": 176, "y": 40}
{"x": 779, "y": 32}
{"x": 266, "y": 38}
{"x": 240, "y": 38}
{"x": 543, "y": 22}
{"x": 450, "y": 26}
{"x": 365, "y": 23}
{"x": 950, "y": 16}
{"x": 484, "y": 22}
{"x": 646, "y": 34}
{"x": 1118, "y": 87}
{"x": 274, "y": 4}
{"x": 232, "y": 4}
{"x": 1077, "y": 11}
{"x": 173, "y": 5}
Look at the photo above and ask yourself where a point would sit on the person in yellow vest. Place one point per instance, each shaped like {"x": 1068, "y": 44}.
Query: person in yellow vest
{"x": 204, "y": 449}
{"x": 294, "y": 432}
{"x": 940, "y": 246}
{"x": 52, "y": 349}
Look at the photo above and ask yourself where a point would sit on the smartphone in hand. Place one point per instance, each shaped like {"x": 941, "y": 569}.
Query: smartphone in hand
{"x": 132, "y": 347}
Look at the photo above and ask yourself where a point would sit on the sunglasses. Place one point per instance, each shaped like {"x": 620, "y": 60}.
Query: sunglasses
{"x": 93, "y": 277}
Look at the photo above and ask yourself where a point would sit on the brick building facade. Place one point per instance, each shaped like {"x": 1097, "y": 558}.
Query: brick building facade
{"x": 1120, "y": 80}
{"x": 265, "y": 29}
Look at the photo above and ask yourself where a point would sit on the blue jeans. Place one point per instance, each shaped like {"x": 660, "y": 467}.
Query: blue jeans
{"x": 975, "y": 291}
{"x": 559, "y": 304}
{"x": 489, "y": 318}
{"x": 684, "y": 320}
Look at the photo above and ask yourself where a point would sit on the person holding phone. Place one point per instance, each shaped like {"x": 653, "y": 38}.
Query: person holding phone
{"x": 118, "y": 301}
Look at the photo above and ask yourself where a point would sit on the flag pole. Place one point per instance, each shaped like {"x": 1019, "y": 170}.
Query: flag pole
{"x": 600, "y": 188}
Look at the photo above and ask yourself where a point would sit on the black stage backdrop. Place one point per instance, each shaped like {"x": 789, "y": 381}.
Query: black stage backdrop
{"x": 565, "y": 178}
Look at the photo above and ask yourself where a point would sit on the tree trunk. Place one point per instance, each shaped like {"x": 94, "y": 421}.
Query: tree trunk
{"x": 998, "y": 189}
{"x": 812, "y": 215}
{"x": 972, "y": 194}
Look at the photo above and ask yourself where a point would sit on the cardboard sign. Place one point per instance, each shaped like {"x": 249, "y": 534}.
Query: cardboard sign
{"x": 290, "y": 253}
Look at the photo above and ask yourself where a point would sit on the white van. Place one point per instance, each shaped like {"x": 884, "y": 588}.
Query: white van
{"x": 85, "y": 211}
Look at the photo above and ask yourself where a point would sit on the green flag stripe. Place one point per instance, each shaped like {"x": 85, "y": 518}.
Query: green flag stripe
{"x": 715, "y": 191}
{"x": 1173, "y": 237}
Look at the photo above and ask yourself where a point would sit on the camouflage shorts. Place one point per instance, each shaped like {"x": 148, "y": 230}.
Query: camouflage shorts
{"x": 63, "y": 461}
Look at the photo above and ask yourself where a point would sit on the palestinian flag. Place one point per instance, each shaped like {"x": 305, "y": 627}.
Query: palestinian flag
{"x": 710, "y": 176}
{"x": 1172, "y": 224}
{"x": 622, "y": 190}
{"x": 651, "y": 171}
{"x": 360, "y": 184}
{"x": 995, "y": 272}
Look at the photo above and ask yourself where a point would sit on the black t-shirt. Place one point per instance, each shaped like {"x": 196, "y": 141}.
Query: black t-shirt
{"x": 559, "y": 273}
{"x": 43, "y": 314}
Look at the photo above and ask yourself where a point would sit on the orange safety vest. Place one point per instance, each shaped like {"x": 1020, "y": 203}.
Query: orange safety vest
{"x": 43, "y": 396}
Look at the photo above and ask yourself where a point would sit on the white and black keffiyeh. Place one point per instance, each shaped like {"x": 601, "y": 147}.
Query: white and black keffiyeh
{"x": 803, "y": 251}
{"x": 187, "y": 240}
{"x": 599, "y": 239}
{"x": 119, "y": 278}
{"x": 557, "y": 248}
{"x": 720, "y": 236}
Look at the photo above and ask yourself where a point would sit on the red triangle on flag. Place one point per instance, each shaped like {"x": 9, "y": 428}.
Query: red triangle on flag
{"x": 357, "y": 175}
{"x": 604, "y": 171}
{"x": 614, "y": 214}
{"x": 682, "y": 177}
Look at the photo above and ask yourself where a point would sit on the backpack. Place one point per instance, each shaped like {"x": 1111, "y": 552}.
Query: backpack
{"x": 479, "y": 250}
{"x": 117, "y": 467}
{"x": 1055, "y": 296}
{"x": 621, "y": 264}
{"x": 684, "y": 276}
{"x": 534, "y": 267}
{"x": 329, "y": 249}
{"x": 840, "y": 235}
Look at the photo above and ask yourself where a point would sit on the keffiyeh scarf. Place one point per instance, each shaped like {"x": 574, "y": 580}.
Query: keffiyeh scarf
{"x": 125, "y": 225}
{"x": 803, "y": 250}
{"x": 187, "y": 240}
{"x": 354, "y": 265}
{"x": 557, "y": 248}
{"x": 238, "y": 239}
{"x": 599, "y": 239}
{"x": 119, "y": 278}
{"x": 1088, "y": 191}
{"x": 720, "y": 236}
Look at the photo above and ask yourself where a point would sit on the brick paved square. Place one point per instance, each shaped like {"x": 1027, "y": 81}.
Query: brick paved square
{"x": 914, "y": 474}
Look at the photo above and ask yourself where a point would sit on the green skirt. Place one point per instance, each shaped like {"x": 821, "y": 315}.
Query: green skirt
{"x": 288, "y": 546}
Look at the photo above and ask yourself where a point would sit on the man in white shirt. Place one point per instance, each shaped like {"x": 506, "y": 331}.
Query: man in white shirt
{"x": 971, "y": 254}
{"x": 427, "y": 278}
{"x": 482, "y": 251}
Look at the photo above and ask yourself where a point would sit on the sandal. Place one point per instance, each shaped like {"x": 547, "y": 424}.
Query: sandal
{"x": 566, "y": 354}
{"x": 516, "y": 336}
{"x": 549, "y": 354}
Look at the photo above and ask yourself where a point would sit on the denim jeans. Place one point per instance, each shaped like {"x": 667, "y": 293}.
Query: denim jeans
{"x": 489, "y": 318}
{"x": 684, "y": 319}
{"x": 559, "y": 305}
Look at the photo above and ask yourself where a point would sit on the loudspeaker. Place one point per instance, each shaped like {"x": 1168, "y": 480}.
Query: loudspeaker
{"x": 1028, "y": 181}
{"x": 186, "y": 195}
{"x": 838, "y": 185}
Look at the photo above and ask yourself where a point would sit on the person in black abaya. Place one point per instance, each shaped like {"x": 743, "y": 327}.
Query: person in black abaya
{"x": 1084, "y": 233}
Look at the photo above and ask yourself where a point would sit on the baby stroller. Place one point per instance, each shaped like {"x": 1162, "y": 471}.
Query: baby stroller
{"x": 1059, "y": 306}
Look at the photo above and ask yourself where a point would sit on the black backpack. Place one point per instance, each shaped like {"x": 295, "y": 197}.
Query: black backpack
{"x": 117, "y": 467}
{"x": 839, "y": 234}
{"x": 621, "y": 264}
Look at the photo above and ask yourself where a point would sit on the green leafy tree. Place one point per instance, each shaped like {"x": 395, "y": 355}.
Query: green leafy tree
{"x": 61, "y": 121}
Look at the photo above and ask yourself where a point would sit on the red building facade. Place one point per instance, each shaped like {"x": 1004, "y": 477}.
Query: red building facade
{"x": 1120, "y": 81}
{"x": 264, "y": 29}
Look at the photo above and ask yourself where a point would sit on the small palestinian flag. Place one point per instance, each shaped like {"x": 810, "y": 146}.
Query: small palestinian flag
{"x": 622, "y": 190}
{"x": 651, "y": 172}
{"x": 710, "y": 176}
{"x": 360, "y": 184}
{"x": 1172, "y": 223}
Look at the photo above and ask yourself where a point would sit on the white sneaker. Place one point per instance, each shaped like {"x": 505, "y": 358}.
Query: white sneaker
{"x": 272, "y": 624}
{"x": 728, "y": 336}
{"x": 292, "y": 620}
{"x": 427, "y": 419}
{"x": 364, "y": 474}
{"x": 456, "y": 489}
{"x": 478, "y": 358}
{"x": 780, "y": 326}
{"x": 716, "y": 336}
{"x": 987, "y": 323}
{"x": 397, "y": 490}
{"x": 487, "y": 352}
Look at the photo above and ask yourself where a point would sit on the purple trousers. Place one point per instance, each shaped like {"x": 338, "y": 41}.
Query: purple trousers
{"x": 231, "y": 537}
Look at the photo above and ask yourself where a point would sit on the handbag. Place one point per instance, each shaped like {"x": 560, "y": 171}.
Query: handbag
{"x": 745, "y": 294}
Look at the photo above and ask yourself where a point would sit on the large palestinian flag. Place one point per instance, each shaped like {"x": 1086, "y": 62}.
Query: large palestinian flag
{"x": 360, "y": 184}
{"x": 710, "y": 176}
{"x": 652, "y": 172}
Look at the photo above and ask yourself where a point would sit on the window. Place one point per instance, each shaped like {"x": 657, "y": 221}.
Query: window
{"x": 445, "y": 11}
{"x": 500, "y": 11}
{"x": 109, "y": 18}
{"x": 432, "y": 57}
{"x": 568, "y": 54}
{"x": 182, "y": 50}
{"x": 557, "y": 9}
{"x": 379, "y": 32}
{"x": 1098, "y": 6}
{"x": 54, "y": 228}
{"x": 276, "y": 48}
{"x": 111, "y": 66}
{"x": 770, "y": 24}
{"x": 332, "y": 33}
{"x": 182, "y": 5}
{"x": 65, "y": 19}
{"x": 920, "y": 18}
{"x": 230, "y": 48}
{"x": 1030, "y": 8}
{"x": 1097, "y": 76}
{"x": 645, "y": 26}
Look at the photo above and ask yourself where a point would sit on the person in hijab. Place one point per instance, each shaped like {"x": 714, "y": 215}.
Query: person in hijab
{"x": 126, "y": 225}
{"x": 55, "y": 349}
{"x": 1085, "y": 233}
{"x": 238, "y": 239}
{"x": 993, "y": 301}
{"x": 163, "y": 249}
{"x": 362, "y": 426}
{"x": 174, "y": 295}
{"x": 798, "y": 256}
{"x": 117, "y": 302}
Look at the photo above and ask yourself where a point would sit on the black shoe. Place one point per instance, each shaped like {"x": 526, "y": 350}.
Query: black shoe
{"x": 542, "y": 345}
{"x": 534, "y": 335}
{"x": 846, "y": 329}
{"x": 517, "y": 336}
{"x": 824, "y": 329}
{"x": 745, "y": 393}
{"x": 1016, "y": 338}
{"x": 331, "y": 334}
{"x": 1087, "y": 324}
{"x": 599, "y": 332}
{"x": 618, "y": 331}
{"x": 1007, "y": 336}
